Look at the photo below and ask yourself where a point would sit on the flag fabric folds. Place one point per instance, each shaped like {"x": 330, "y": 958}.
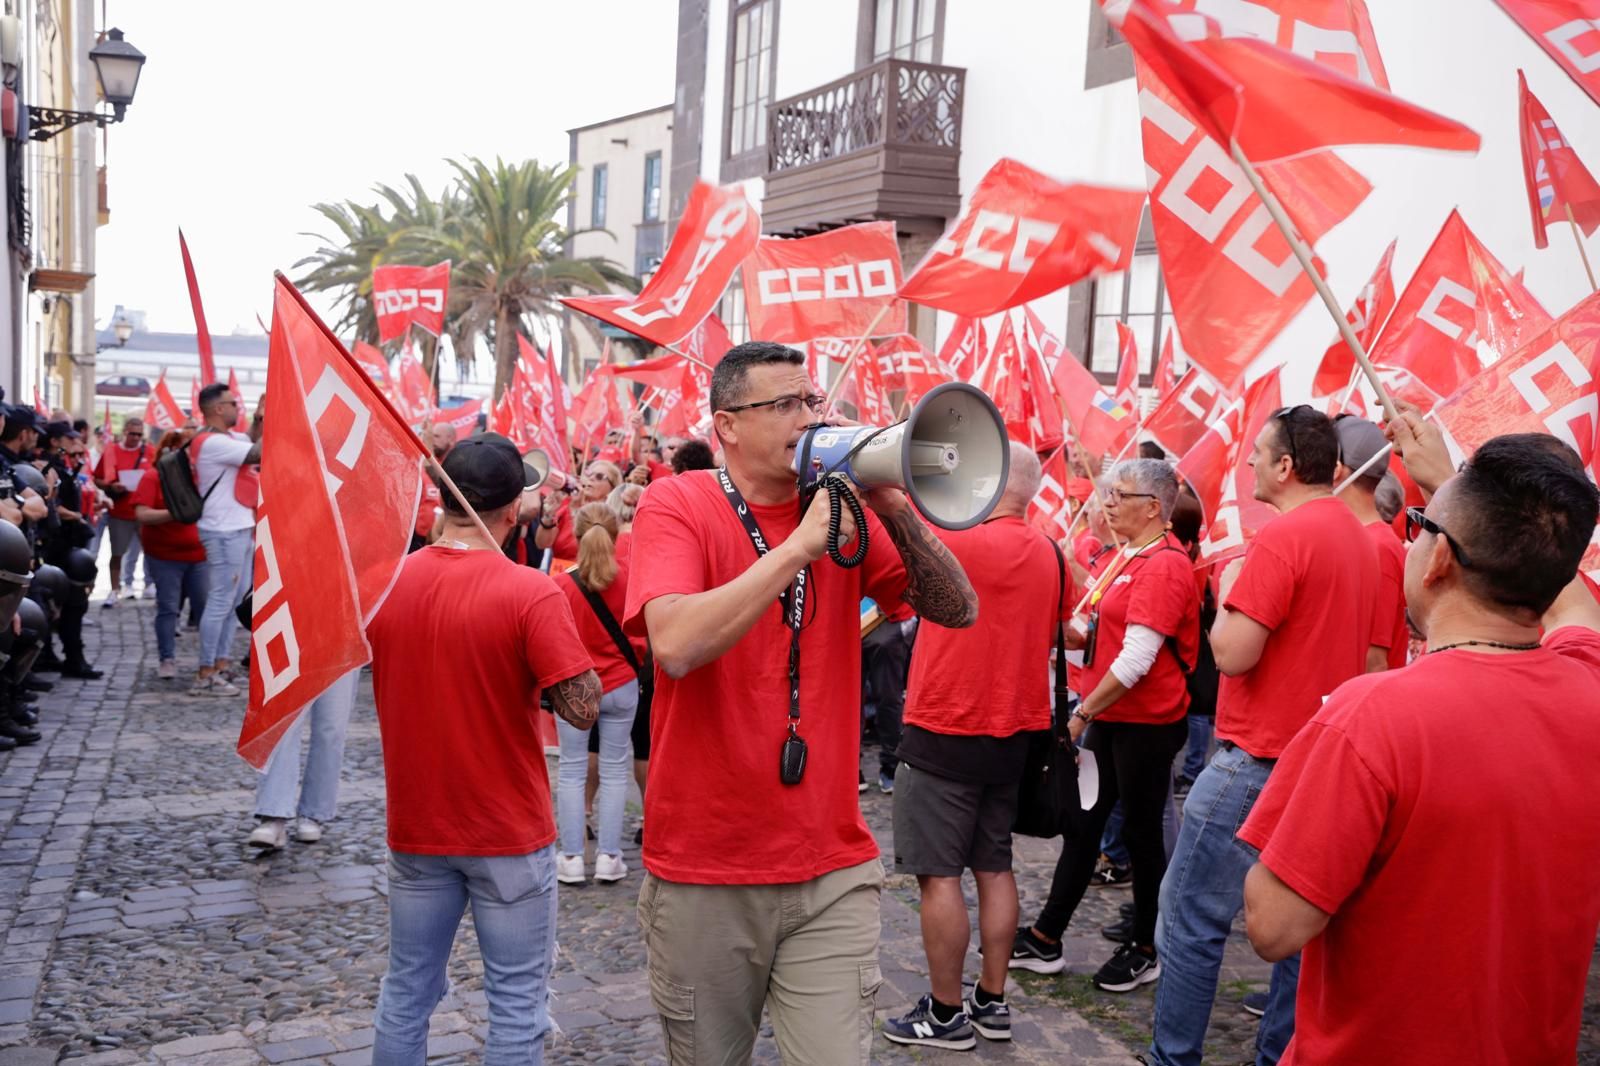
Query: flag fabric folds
{"x": 1366, "y": 316}
{"x": 1557, "y": 179}
{"x": 407, "y": 295}
{"x": 1568, "y": 31}
{"x": 835, "y": 284}
{"x": 202, "y": 335}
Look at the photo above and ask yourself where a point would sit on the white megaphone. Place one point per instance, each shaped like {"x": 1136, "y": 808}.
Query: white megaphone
{"x": 538, "y": 466}
{"x": 951, "y": 456}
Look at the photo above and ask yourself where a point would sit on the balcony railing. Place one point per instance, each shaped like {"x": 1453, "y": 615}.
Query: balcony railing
{"x": 892, "y": 102}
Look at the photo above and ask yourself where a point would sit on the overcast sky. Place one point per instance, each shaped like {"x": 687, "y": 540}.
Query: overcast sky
{"x": 248, "y": 114}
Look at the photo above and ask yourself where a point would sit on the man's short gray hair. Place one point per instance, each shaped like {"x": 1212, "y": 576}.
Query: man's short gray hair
{"x": 1022, "y": 481}
{"x": 1154, "y": 476}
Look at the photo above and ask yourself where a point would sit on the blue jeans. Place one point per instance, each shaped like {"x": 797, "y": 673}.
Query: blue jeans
{"x": 174, "y": 581}
{"x": 513, "y": 901}
{"x": 277, "y": 785}
{"x": 1194, "y": 759}
{"x": 616, "y": 727}
{"x": 1111, "y": 845}
{"x": 229, "y": 559}
{"x": 1201, "y": 895}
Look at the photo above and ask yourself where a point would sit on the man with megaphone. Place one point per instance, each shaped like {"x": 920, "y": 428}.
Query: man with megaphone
{"x": 763, "y": 877}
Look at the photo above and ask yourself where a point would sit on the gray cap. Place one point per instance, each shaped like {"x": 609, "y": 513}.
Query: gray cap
{"x": 1359, "y": 441}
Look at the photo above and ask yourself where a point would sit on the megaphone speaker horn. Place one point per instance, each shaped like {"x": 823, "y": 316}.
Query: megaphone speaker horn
{"x": 951, "y": 456}
{"x": 538, "y": 464}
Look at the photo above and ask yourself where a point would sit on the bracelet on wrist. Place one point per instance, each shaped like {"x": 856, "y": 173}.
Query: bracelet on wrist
{"x": 1078, "y": 714}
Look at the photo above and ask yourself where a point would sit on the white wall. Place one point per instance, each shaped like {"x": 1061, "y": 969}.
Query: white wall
{"x": 624, "y": 182}
{"x": 1025, "y": 99}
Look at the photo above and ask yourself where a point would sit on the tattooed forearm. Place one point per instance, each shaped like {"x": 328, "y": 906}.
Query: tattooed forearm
{"x": 938, "y": 587}
{"x": 577, "y": 699}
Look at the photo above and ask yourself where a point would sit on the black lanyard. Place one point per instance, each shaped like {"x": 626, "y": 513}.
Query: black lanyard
{"x": 793, "y": 602}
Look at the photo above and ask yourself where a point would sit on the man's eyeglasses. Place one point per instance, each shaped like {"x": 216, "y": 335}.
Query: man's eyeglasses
{"x": 1416, "y": 521}
{"x": 784, "y": 406}
{"x": 1286, "y": 417}
{"x": 1115, "y": 496}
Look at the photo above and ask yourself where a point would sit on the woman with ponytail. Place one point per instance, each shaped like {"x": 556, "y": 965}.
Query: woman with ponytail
{"x": 597, "y": 590}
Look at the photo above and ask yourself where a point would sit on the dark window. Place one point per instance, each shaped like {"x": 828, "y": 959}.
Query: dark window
{"x": 901, "y": 29}
{"x": 597, "y": 204}
{"x": 649, "y": 244}
{"x": 652, "y": 187}
{"x": 1108, "y": 58}
{"x": 731, "y": 311}
{"x": 1137, "y": 297}
{"x": 752, "y": 51}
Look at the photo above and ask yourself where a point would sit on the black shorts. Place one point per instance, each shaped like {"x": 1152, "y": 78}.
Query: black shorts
{"x": 943, "y": 826}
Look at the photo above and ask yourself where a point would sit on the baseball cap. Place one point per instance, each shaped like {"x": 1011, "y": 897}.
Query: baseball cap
{"x": 1359, "y": 441}
{"x": 53, "y": 430}
{"x": 488, "y": 470}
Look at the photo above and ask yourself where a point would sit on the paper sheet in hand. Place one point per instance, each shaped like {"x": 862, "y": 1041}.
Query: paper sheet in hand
{"x": 1088, "y": 779}
{"x": 130, "y": 478}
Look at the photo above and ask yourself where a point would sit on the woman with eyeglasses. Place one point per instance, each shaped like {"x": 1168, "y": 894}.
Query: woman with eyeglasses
{"x": 1140, "y": 637}
{"x": 553, "y": 529}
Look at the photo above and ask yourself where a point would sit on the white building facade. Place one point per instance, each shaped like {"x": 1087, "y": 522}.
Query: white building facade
{"x": 895, "y": 109}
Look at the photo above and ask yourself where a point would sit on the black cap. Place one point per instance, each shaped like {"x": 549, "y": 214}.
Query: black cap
{"x": 488, "y": 470}
{"x": 20, "y": 417}
{"x": 52, "y": 430}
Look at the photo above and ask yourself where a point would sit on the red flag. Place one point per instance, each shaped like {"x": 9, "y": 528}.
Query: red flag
{"x": 306, "y": 628}
{"x": 161, "y": 410}
{"x": 718, "y": 230}
{"x": 415, "y": 394}
{"x": 1165, "y": 377}
{"x": 1003, "y": 382}
{"x": 463, "y": 419}
{"x": 374, "y": 363}
{"x": 403, "y": 295}
{"x": 556, "y": 397}
{"x": 38, "y": 405}
{"x": 542, "y": 405}
{"x": 661, "y": 372}
{"x": 1273, "y": 103}
{"x": 708, "y": 342}
{"x": 964, "y": 349}
{"x": 1045, "y": 419}
{"x": 1218, "y": 468}
{"x": 1335, "y": 33}
{"x": 1024, "y": 235}
{"x": 1099, "y": 422}
{"x": 905, "y": 364}
{"x": 872, "y": 397}
{"x": 241, "y": 422}
{"x": 1366, "y": 316}
{"x": 1557, "y": 179}
{"x": 1569, "y": 31}
{"x": 1050, "y": 346}
{"x": 1549, "y": 385}
{"x": 105, "y": 423}
{"x": 1184, "y": 414}
{"x": 1050, "y": 511}
{"x": 1233, "y": 281}
{"x": 1126, "y": 392}
{"x": 834, "y": 284}
{"x": 202, "y": 335}
{"x": 1460, "y": 296}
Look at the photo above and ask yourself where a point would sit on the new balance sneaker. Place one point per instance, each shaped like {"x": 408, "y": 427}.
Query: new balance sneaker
{"x": 569, "y": 869}
{"x": 991, "y": 1020}
{"x": 1256, "y": 1003}
{"x": 307, "y": 830}
{"x": 922, "y": 1028}
{"x": 609, "y": 868}
{"x": 1127, "y": 969}
{"x": 270, "y": 835}
{"x": 1110, "y": 875}
{"x": 1028, "y": 952}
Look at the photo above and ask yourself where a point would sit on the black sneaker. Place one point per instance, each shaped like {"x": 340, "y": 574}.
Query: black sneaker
{"x": 1181, "y": 785}
{"x": 922, "y": 1028}
{"x": 1109, "y": 875}
{"x": 1030, "y": 953}
{"x": 991, "y": 1020}
{"x": 1119, "y": 931}
{"x": 1128, "y": 969}
{"x": 1256, "y": 1003}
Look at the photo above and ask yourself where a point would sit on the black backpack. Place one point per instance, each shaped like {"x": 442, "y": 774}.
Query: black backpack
{"x": 180, "y": 485}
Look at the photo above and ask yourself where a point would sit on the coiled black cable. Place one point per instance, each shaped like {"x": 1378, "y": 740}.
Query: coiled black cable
{"x": 839, "y": 496}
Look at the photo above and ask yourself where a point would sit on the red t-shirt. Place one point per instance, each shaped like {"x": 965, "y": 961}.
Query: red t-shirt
{"x": 1310, "y": 576}
{"x": 428, "y": 507}
{"x": 1389, "y": 629}
{"x": 566, "y": 545}
{"x": 1446, "y": 813}
{"x": 613, "y": 669}
{"x": 1157, "y": 590}
{"x": 658, "y": 470}
{"x": 717, "y": 812}
{"x": 115, "y": 460}
{"x": 177, "y": 542}
{"x": 993, "y": 679}
{"x": 460, "y": 651}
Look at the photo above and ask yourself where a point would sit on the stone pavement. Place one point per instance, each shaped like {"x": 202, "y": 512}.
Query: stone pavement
{"x": 138, "y": 928}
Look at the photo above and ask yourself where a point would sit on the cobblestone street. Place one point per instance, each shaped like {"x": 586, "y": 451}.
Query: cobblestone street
{"x": 138, "y": 928}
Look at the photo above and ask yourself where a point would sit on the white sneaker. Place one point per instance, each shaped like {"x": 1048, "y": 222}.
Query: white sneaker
{"x": 168, "y": 670}
{"x": 609, "y": 868}
{"x": 308, "y": 830}
{"x": 201, "y": 686}
{"x": 149, "y": 593}
{"x": 270, "y": 835}
{"x": 111, "y": 599}
{"x": 569, "y": 869}
{"x": 221, "y": 686}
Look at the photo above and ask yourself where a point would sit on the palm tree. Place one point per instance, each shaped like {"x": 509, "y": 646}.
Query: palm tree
{"x": 507, "y": 249}
{"x": 344, "y": 263}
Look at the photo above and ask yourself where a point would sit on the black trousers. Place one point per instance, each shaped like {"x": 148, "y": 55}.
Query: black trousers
{"x": 69, "y": 627}
{"x": 1135, "y": 763}
{"x": 885, "y": 662}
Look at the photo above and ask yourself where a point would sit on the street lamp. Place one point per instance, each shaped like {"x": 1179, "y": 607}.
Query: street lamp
{"x": 117, "y": 64}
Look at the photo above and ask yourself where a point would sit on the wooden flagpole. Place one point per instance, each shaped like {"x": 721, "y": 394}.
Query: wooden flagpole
{"x": 1577, "y": 237}
{"x": 850, "y": 360}
{"x": 685, "y": 355}
{"x": 1302, "y": 252}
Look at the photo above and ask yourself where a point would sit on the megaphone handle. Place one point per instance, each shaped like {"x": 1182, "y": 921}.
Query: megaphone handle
{"x": 839, "y": 496}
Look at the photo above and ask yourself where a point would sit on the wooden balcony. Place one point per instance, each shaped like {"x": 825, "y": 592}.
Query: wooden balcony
{"x": 881, "y": 143}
